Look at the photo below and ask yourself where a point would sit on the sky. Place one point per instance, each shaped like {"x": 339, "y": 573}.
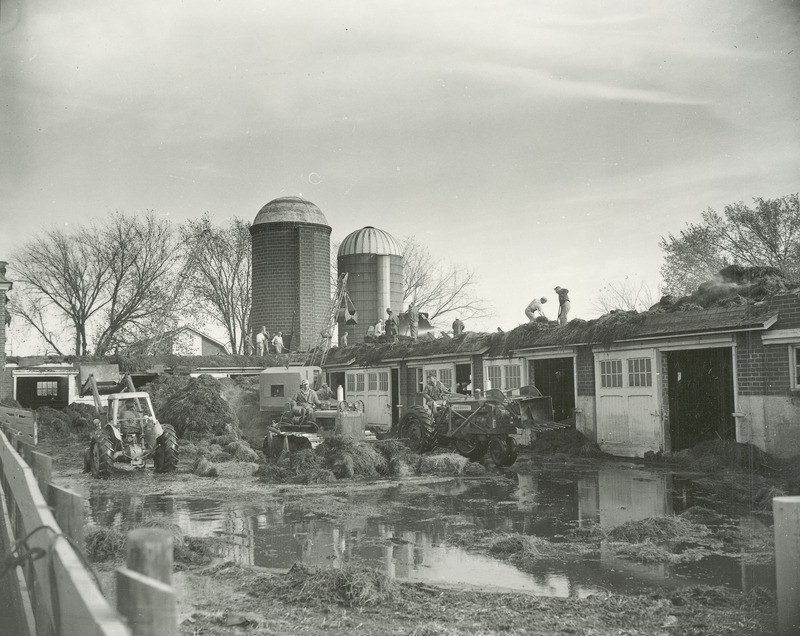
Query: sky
{"x": 537, "y": 143}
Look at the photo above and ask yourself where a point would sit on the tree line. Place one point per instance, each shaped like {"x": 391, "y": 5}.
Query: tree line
{"x": 127, "y": 283}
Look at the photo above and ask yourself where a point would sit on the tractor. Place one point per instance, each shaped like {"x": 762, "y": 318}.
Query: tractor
{"x": 474, "y": 425}
{"x": 291, "y": 433}
{"x": 127, "y": 430}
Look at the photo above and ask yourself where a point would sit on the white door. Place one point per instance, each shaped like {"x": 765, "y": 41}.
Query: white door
{"x": 372, "y": 388}
{"x": 629, "y": 402}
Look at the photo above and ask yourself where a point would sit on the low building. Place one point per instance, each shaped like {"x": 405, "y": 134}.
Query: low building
{"x": 634, "y": 383}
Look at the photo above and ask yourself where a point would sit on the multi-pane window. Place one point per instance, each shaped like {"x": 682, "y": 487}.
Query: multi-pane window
{"x": 513, "y": 376}
{"x": 372, "y": 381}
{"x": 359, "y": 383}
{"x": 796, "y": 360}
{"x": 47, "y": 388}
{"x": 640, "y": 372}
{"x": 351, "y": 382}
{"x": 610, "y": 373}
{"x": 495, "y": 375}
{"x": 446, "y": 378}
{"x": 383, "y": 377}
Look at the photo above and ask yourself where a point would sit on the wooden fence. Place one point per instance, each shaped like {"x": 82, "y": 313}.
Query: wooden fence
{"x": 50, "y": 590}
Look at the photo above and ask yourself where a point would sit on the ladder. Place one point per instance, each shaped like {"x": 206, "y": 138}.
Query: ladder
{"x": 332, "y": 317}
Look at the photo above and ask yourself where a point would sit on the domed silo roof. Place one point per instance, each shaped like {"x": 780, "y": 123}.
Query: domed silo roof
{"x": 369, "y": 240}
{"x": 290, "y": 210}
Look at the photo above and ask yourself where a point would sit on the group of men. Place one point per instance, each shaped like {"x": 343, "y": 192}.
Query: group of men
{"x": 306, "y": 399}
{"x": 535, "y": 306}
{"x": 265, "y": 345}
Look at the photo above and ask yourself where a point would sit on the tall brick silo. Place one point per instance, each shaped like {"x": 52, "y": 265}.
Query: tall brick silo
{"x": 374, "y": 264}
{"x": 291, "y": 271}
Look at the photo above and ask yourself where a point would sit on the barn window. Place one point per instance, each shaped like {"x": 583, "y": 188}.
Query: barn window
{"x": 610, "y": 373}
{"x": 47, "y": 388}
{"x": 640, "y": 372}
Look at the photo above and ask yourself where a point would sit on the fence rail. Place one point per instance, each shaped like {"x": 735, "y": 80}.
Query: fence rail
{"x": 49, "y": 589}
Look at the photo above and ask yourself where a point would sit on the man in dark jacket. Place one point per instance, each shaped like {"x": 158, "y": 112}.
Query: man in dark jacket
{"x": 391, "y": 326}
{"x": 563, "y": 305}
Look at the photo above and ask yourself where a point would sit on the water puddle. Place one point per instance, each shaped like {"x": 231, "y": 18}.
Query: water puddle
{"x": 401, "y": 530}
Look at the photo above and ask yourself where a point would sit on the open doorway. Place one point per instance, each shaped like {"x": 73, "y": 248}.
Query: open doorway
{"x": 463, "y": 378}
{"x": 556, "y": 377}
{"x": 700, "y": 387}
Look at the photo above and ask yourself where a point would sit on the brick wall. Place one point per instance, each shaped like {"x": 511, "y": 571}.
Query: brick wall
{"x": 291, "y": 280}
{"x": 788, "y": 308}
{"x": 585, "y": 370}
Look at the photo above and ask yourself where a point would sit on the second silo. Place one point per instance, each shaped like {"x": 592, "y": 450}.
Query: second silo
{"x": 374, "y": 264}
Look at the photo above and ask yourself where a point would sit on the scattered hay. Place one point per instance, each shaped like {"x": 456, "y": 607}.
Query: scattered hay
{"x": 313, "y": 476}
{"x": 241, "y": 451}
{"x": 305, "y": 461}
{"x": 204, "y": 468}
{"x": 702, "y": 515}
{"x": 273, "y": 474}
{"x": 401, "y": 460}
{"x": 433, "y": 628}
{"x": 82, "y": 416}
{"x": 104, "y": 544}
{"x": 224, "y": 440}
{"x": 473, "y": 469}
{"x": 443, "y": 464}
{"x": 221, "y": 457}
{"x": 351, "y": 585}
{"x": 237, "y": 470}
{"x": 646, "y": 552}
{"x": 656, "y": 529}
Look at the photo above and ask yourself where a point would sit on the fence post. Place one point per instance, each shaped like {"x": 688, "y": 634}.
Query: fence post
{"x": 144, "y": 589}
{"x": 42, "y": 467}
{"x": 68, "y": 510}
{"x": 786, "y": 512}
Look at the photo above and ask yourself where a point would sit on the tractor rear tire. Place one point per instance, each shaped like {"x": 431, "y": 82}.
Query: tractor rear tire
{"x": 417, "y": 429}
{"x": 165, "y": 457}
{"x": 471, "y": 449}
{"x": 102, "y": 455}
{"x": 503, "y": 451}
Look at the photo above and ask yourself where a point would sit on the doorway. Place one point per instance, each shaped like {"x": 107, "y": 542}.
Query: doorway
{"x": 556, "y": 377}
{"x": 700, "y": 391}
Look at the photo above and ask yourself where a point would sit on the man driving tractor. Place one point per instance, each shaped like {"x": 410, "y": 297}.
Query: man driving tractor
{"x": 304, "y": 402}
{"x": 434, "y": 393}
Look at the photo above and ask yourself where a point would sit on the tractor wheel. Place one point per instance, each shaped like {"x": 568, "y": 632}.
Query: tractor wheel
{"x": 165, "y": 457}
{"x": 503, "y": 451}
{"x": 417, "y": 429}
{"x": 102, "y": 458}
{"x": 471, "y": 449}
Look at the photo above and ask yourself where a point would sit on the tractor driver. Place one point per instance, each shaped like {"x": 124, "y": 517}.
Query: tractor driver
{"x": 304, "y": 401}
{"x": 128, "y": 412}
{"x": 433, "y": 393}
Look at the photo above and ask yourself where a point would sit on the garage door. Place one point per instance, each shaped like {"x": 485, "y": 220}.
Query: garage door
{"x": 628, "y": 402}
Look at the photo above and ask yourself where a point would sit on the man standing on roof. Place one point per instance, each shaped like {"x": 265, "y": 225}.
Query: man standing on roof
{"x": 413, "y": 320}
{"x": 563, "y": 305}
{"x": 536, "y": 305}
{"x": 277, "y": 342}
{"x": 458, "y": 327}
{"x": 391, "y": 326}
{"x": 261, "y": 341}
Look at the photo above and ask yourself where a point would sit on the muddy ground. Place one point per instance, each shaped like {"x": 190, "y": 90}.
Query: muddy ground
{"x": 219, "y": 596}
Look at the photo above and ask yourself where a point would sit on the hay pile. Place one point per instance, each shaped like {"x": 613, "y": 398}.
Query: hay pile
{"x": 53, "y": 424}
{"x": 352, "y": 585}
{"x": 654, "y": 529}
{"x": 401, "y": 461}
{"x": 110, "y": 544}
{"x": 719, "y": 454}
{"x": 444, "y": 464}
{"x": 569, "y": 441}
{"x": 195, "y": 407}
{"x": 348, "y": 458}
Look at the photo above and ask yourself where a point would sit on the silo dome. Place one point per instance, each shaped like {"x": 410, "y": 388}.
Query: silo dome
{"x": 290, "y": 210}
{"x": 374, "y": 265}
{"x": 369, "y": 240}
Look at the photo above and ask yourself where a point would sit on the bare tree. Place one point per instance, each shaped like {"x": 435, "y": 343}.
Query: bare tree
{"x": 220, "y": 263}
{"x": 438, "y": 287}
{"x": 143, "y": 289}
{"x": 766, "y": 234}
{"x": 627, "y": 294}
{"x": 109, "y": 279}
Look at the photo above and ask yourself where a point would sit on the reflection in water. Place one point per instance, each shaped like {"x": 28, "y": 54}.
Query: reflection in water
{"x": 407, "y": 539}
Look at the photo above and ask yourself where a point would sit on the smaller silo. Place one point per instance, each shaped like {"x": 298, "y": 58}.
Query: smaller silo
{"x": 374, "y": 264}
